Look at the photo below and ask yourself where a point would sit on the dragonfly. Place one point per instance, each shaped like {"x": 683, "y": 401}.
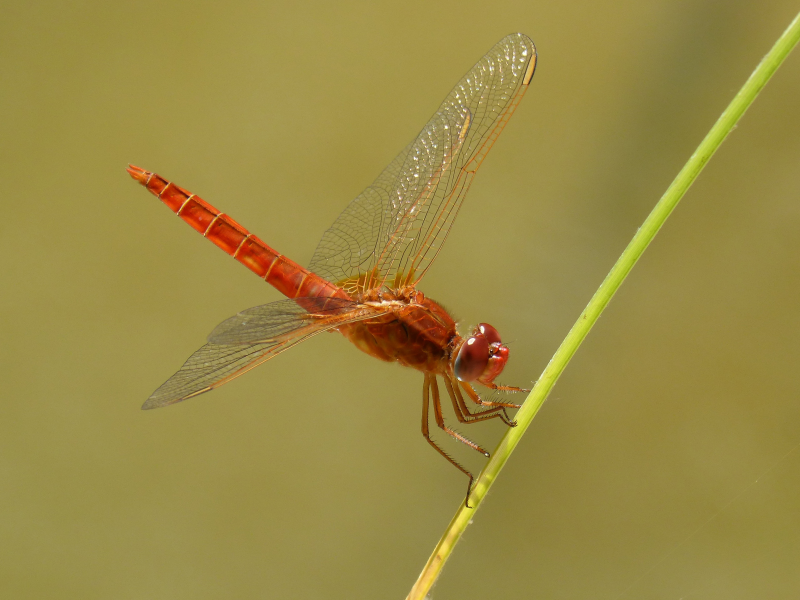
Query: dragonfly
{"x": 363, "y": 276}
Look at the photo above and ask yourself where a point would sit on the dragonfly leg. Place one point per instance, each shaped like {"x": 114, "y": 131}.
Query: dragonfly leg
{"x": 427, "y": 435}
{"x": 473, "y": 395}
{"x": 463, "y": 413}
{"x": 437, "y": 414}
{"x": 506, "y": 388}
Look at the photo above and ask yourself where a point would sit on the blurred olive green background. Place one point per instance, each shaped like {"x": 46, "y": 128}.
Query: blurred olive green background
{"x": 658, "y": 468}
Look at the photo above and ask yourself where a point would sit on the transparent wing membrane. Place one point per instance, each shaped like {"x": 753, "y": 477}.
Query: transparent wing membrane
{"x": 277, "y": 321}
{"x": 393, "y": 230}
{"x": 252, "y": 337}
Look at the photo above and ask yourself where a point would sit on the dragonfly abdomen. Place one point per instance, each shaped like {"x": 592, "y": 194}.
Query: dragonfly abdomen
{"x": 283, "y": 274}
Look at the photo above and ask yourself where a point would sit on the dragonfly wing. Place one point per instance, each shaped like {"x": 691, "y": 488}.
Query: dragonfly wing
{"x": 352, "y": 244}
{"x": 391, "y": 233}
{"x": 251, "y": 338}
{"x": 278, "y": 321}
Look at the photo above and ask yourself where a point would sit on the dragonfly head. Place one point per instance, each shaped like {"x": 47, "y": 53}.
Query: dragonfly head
{"x": 482, "y": 356}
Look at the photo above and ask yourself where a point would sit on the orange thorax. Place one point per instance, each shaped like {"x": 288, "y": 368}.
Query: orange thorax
{"x": 417, "y": 333}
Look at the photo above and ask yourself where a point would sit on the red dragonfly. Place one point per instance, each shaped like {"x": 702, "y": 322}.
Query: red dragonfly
{"x": 363, "y": 276}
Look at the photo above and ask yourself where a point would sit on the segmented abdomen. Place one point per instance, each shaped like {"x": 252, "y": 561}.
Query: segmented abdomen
{"x": 283, "y": 274}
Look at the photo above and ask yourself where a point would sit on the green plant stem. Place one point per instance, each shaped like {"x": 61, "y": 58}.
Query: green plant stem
{"x": 600, "y": 300}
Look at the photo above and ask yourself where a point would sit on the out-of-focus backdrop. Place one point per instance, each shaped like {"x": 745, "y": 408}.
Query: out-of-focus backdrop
{"x": 665, "y": 464}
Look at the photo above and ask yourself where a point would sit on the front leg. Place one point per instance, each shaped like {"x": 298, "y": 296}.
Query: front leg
{"x": 505, "y": 388}
{"x": 473, "y": 395}
{"x": 465, "y": 415}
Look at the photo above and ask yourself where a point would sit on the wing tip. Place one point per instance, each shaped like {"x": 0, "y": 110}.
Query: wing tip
{"x": 526, "y": 79}
{"x": 527, "y": 41}
{"x": 150, "y": 404}
{"x": 156, "y": 402}
{"x": 153, "y": 402}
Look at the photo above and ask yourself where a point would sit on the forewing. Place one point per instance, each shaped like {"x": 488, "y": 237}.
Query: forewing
{"x": 352, "y": 244}
{"x": 392, "y": 232}
{"x": 251, "y": 338}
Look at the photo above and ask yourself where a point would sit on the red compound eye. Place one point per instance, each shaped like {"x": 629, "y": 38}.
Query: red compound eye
{"x": 490, "y": 333}
{"x": 472, "y": 358}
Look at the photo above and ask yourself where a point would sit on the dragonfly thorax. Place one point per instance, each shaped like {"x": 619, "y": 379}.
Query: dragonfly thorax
{"x": 417, "y": 332}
